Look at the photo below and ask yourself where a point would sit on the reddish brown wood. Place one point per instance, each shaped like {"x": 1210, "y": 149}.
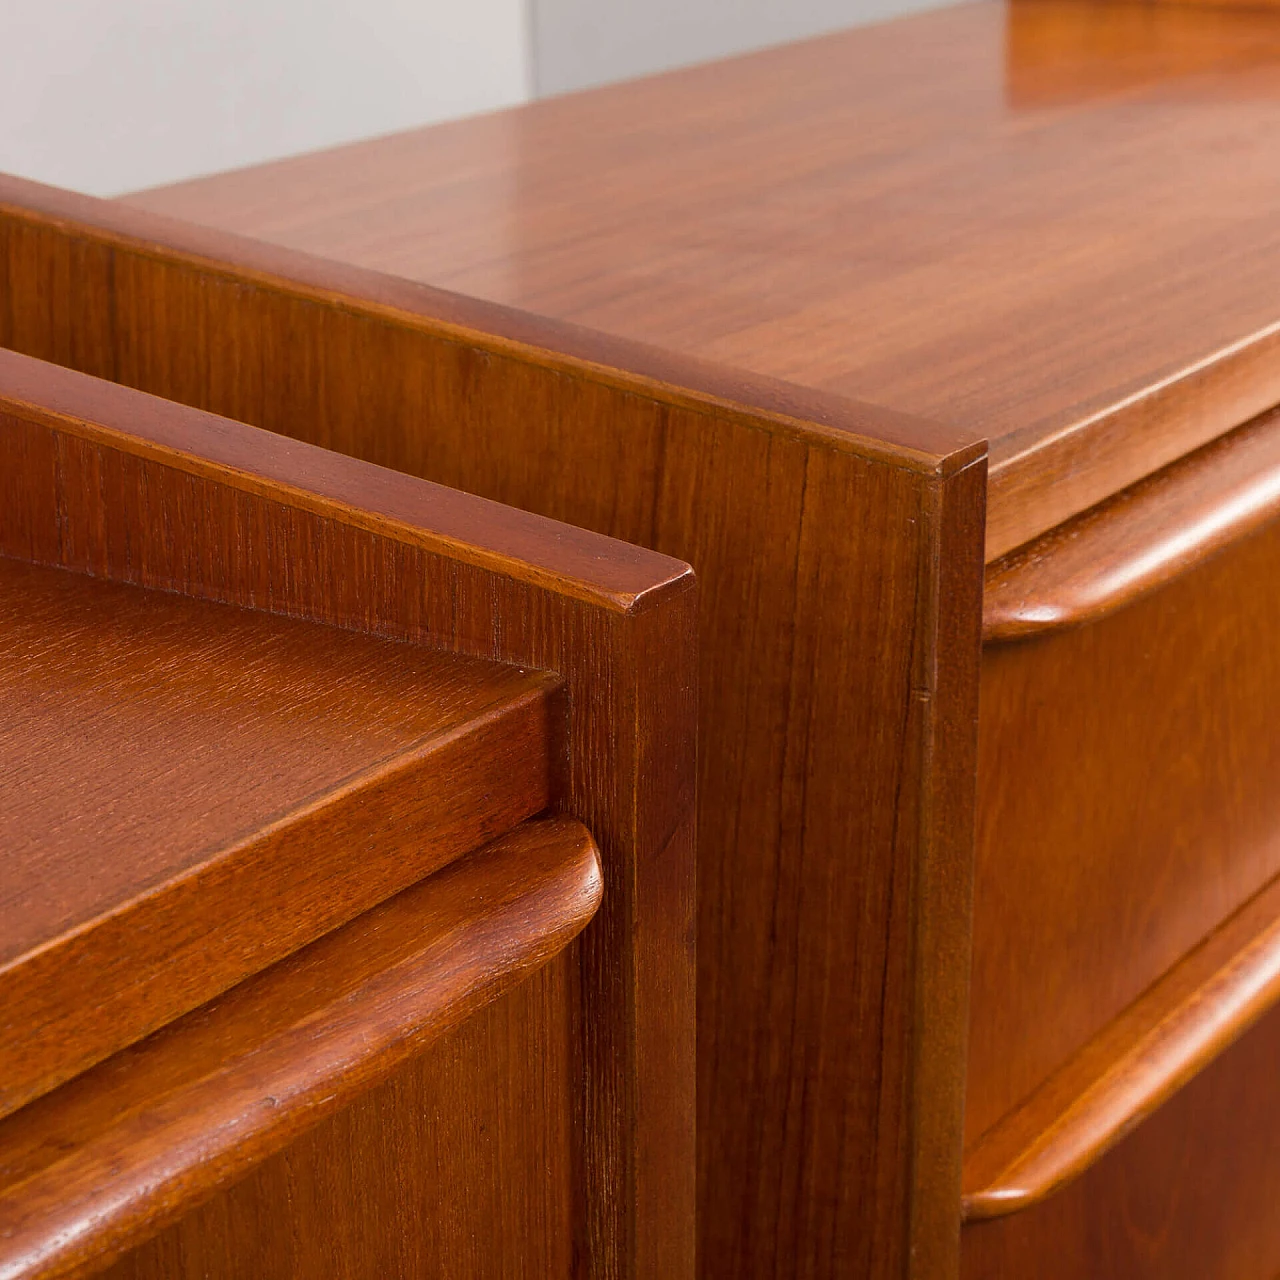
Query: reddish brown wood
{"x": 1084, "y": 271}
{"x": 461, "y": 1164}
{"x": 1060, "y": 54}
{"x": 127, "y": 1148}
{"x": 1168, "y": 1035}
{"x": 471, "y": 530}
{"x": 839, "y": 551}
{"x": 182, "y": 785}
{"x": 1127, "y": 806}
{"x": 1191, "y": 1193}
{"x": 1140, "y": 539}
{"x": 879, "y": 214}
{"x": 133, "y": 490}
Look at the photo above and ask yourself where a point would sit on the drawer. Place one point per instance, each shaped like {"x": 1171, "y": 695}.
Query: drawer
{"x": 1190, "y": 1194}
{"x": 1128, "y": 824}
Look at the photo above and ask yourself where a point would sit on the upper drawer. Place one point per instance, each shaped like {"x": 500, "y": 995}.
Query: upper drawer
{"x": 1128, "y": 775}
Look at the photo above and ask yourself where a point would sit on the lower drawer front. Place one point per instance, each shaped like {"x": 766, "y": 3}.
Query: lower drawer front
{"x": 1192, "y": 1194}
{"x": 1128, "y": 802}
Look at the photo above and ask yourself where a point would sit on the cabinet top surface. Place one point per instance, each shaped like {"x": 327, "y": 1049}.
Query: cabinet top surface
{"x": 1004, "y": 216}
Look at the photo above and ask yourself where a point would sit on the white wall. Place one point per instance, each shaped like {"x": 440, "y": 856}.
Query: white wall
{"x": 111, "y": 95}
{"x": 577, "y": 43}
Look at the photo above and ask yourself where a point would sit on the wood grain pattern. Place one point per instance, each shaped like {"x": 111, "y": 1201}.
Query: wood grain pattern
{"x": 1139, "y": 540}
{"x": 182, "y": 786}
{"x": 1167, "y": 1036}
{"x": 1053, "y": 224}
{"x": 127, "y": 1148}
{"x": 879, "y": 214}
{"x": 839, "y": 557}
{"x": 60, "y": 252}
{"x": 1127, "y": 807}
{"x": 461, "y": 1164}
{"x": 1189, "y": 1194}
{"x": 487, "y": 535}
{"x": 1058, "y": 54}
{"x": 131, "y": 490}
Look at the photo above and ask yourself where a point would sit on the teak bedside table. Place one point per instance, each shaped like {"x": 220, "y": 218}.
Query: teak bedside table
{"x": 296, "y": 761}
{"x": 943, "y": 350}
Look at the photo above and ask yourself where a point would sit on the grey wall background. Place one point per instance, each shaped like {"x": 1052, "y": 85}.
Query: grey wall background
{"x": 108, "y": 96}
{"x": 578, "y": 43}
{"x": 112, "y": 95}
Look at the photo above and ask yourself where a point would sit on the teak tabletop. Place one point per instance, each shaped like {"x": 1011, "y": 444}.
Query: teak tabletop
{"x": 173, "y": 730}
{"x": 183, "y": 786}
{"x": 1052, "y": 224}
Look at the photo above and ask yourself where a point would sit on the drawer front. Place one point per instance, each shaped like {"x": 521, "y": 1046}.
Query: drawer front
{"x": 1191, "y": 1194}
{"x": 1128, "y": 802}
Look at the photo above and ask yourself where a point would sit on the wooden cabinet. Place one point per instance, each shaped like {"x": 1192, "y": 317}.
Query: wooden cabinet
{"x": 945, "y": 352}
{"x": 311, "y": 963}
{"x": 839, "y": 556}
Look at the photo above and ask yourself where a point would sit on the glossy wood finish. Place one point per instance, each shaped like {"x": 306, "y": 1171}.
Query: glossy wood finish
{"x": 1190, "y": 1194}
{"x": 1053, "y": 224}
{"x": 839, "y": 551}
{"x": 1169, "y": 1034}
{"x": 880, "y": 214}
{"x": 182, "y": 785}
{"x": 101, "y": 480}
{"x": 127, "y": 1148}
{"x": 39, "y": 398}
{"x": 461, "y": 1164}
{"x": 1063, "y": 54}
{"x": 1127, "y": 806}
{"x": 1139, "y": 540}
{"x": 62, "y": 251}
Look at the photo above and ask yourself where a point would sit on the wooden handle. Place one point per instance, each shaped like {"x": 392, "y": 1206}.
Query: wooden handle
{"x": 1139, "y": 540}
{"x": 1171, "y": 1032}
{"x": 118, "y": 1153}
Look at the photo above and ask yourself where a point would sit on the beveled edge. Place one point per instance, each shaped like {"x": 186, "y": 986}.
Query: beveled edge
{"x": 878, "y": 433}
{"x": 167, "y": 1123}
{"x": 1139, "y": 540}
{"x": 1046, "y": 473}
{"x": 518, "y": 544}
{"x": 1145, "y": 1055}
